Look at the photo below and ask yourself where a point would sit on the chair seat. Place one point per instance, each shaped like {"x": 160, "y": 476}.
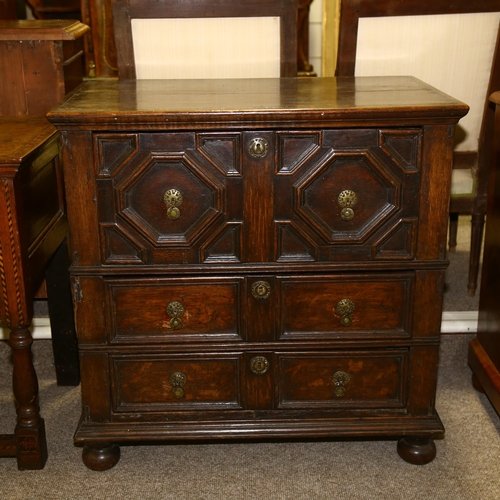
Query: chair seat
{"x": 462, "y": 182}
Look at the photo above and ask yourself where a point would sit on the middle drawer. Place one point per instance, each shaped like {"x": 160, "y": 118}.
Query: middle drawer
{"x": 175, "y": 310}
{"x": 262, "y": 308}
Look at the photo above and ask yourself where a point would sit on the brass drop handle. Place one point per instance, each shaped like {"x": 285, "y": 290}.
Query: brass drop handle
{"x": 258, "y": 147}
{"x": 345, "y": 308}
{"x": 340, "y": 379}
{"x": 259, "y": 365}
{"x": 177, "y": 381}
{"x": 175, "y": 310}
{"x": 347, "y": 199}
{"x": 261, "y": 290}
{"x": 173, "y": 199}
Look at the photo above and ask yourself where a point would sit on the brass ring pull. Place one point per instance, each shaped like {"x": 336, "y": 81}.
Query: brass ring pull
{"x": 175, "y": 310}
{"x": 261, "y": 290}
{"x": 345, "y": 308}
{"x": 347, "y": 199}
{"x": 258, "y": 147}
{"x": 177, "y": 381}
{"x": 173, "y": 199}
{"x": 340, "y": 379}
{"x": 259, "y": 365}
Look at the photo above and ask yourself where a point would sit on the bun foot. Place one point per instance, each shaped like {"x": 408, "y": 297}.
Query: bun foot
{"x": 417, "y": 450}
{"x": 102, "y": 458}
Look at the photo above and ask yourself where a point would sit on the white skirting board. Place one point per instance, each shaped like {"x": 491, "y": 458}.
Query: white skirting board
{"x": 459, "y": 322}
{"x": 453, "y": 322}
{"x": 40, "y": 329}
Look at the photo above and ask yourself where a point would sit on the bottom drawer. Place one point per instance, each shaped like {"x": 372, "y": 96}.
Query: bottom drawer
{"x": 175, "y": 382}
{"x": 261, "y": 380}
{"x": 368, "y": 379}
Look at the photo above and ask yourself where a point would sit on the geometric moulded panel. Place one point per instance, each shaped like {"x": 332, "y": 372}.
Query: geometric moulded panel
{"x": 119, "y": 248}
{"x": 293, "y": 246}
{"x": 170, "y": 199}
{"x": 222, "y": 150}
{"x": 403, "y": 147}
{"x": 114, "y": 151}
{"x": 347, "y": 196}
{"x": 398, "y": 243}
{"x": 295, "y": 149}
{"x": 225, "y": 246}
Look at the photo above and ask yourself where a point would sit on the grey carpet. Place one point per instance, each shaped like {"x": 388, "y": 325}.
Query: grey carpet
{"x": 466, "y": 466}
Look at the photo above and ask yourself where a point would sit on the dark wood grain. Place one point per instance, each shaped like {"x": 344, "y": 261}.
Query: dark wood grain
{"x": 40, "y": 62}
{"x": 100, "y": 48}
{"x": 484, "y": 350}
{"x": 259, "y": 257}
{"x": 267, "y": 102}
{"x": 31, "y": 231}
{"x": 303, "y": 65}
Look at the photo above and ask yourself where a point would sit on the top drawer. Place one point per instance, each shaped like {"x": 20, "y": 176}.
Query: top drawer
{"x": 195, "y": 197}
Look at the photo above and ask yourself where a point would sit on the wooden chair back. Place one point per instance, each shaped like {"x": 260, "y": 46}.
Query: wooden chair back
{"x": 205, "y": 39}
{"x": 453, "y": 46}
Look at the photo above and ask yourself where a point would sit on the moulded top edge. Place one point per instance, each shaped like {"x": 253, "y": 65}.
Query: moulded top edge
{"x": 267, "y": 99}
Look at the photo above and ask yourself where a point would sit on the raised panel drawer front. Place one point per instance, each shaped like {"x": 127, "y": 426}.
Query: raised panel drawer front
{"x": 348, "y": 194}
{"x": 169, "y": 197}
{"x": 351, "y": 379}
{"x": 175, "y": 310}
{"x": 175, "y": 382}
{"x": 184, "y": 198}
{"x": 326, "y": 307}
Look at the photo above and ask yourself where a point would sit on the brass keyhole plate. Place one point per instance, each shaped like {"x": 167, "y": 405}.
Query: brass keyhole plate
{"x": 259, "y": 365}
{"x": 258, "y": 147}
{"x": 261, "y": 290}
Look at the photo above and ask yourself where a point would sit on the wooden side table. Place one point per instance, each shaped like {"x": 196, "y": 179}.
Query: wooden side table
{"x": 40, "y": 62}
{"x": 484, "y": 350}
{"x": 32, "y": 228}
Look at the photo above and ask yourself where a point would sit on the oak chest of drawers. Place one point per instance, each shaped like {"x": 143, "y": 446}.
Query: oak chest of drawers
{"x": 257, "y": 258}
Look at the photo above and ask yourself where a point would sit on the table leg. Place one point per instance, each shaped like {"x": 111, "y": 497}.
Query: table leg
{"x": 31, "y": 444}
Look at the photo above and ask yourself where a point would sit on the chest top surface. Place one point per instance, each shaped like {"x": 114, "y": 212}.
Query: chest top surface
{"x": 168, "y": 104}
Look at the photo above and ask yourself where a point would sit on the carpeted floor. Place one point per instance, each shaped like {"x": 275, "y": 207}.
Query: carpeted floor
{"x": 466, "y": 466}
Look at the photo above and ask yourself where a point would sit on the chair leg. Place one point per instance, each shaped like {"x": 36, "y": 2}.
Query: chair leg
{"x": 64, "y": 341}
{"x": 452, "y": 242}
{"x": 477, "y": 226}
